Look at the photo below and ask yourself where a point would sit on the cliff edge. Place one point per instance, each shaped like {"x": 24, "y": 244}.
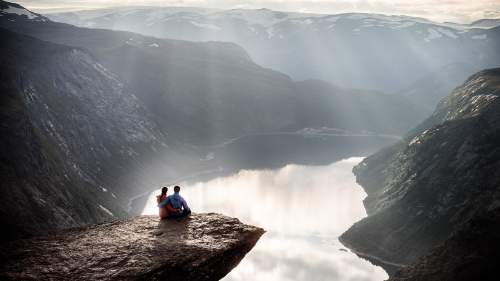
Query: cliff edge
{"x": 199, "y": 247}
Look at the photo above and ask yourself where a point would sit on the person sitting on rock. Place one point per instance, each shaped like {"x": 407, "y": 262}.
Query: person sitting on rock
{"x": 162, "y": 211}
{"x": 176, "y": 205}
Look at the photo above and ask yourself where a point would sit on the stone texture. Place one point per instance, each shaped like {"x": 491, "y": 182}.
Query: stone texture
{"x": 473, "y": 253}
{"x": 199, "y": 247}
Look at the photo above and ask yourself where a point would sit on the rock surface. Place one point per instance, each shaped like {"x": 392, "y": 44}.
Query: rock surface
{"x": 471, "y": 254}
{"x": 443, "y": 175}
{"x": 199, "y": 247}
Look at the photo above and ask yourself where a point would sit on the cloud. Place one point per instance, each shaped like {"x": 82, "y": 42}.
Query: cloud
{"x": 444, "y": 10}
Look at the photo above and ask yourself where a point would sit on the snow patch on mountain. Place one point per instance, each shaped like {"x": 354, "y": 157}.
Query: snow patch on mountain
{"x": 479, "y": 37}
{"x": 270, "y": 32}
{"x": 262, "y": 17}
{"x": 19, "y": 12}
{"x": 433, "y": 34}
{"x": 303, "y": 21}
{"x": 205, "y": 25}
{"x": 90, "y": 24}
{"x": 332, "y": 18}
{"x": 356, "y": 16}
{"x": 447, "y": 32}
{"x": 106, "y": 211}
{"x": 404, "y": 25}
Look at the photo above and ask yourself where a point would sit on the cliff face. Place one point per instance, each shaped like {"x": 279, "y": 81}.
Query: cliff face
{"x": 470, "y": 254}
{"x": 441, "y": 176}
{"x": 199, "y": 247}
{"x": 75, "y": 139}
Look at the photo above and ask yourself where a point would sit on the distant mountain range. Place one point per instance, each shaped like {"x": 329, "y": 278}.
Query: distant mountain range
{"x": 355, "y": 50}
{"x": 204, "y": 91}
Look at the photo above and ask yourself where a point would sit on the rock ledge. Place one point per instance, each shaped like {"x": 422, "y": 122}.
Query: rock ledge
{"x": 200, "y": 247}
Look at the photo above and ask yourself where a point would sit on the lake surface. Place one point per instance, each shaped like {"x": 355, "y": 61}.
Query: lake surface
{"x": 304, "y": 210}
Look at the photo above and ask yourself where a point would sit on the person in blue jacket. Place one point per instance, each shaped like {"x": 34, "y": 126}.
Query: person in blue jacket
{"x": 176, "y": 205}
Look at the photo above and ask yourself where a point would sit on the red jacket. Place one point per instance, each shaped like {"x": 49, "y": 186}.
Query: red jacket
{"x": 162, "y": 211}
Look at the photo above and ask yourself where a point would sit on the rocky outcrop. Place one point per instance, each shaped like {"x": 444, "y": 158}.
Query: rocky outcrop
{"x": 199, "y": 247}
{"x": 442, "y": 176}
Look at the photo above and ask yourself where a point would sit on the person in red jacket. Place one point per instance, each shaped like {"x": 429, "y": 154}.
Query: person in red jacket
{"x": 162, "y": 210}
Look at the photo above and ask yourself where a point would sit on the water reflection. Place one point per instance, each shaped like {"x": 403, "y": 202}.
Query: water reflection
{"x": 303, "y": 208}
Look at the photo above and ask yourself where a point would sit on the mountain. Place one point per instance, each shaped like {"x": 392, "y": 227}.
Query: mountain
{"x": 485, "y": 23}
{"x": 8, "y": 9}
{"x": 355, "y": 50}
{"x": 92, "y": 118}
{"x": 321, "y": 104}
{"x": 431, "y": 88}
{"x": 435, "y": 187}
{"x": 70, "y": 132}
{"x": 208, "y": 92}
{"x": 472, "y": 253}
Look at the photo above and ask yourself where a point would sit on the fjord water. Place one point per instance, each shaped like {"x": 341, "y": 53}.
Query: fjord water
{"x": 304, "y": 209}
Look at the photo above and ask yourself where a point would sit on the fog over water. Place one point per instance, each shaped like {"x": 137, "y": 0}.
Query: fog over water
{"x": 303, "y": 209}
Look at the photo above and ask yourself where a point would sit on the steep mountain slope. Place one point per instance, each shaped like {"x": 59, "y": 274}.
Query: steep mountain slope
{"x": 71, "y": 132}
{"x": 443, "y": 175}
{"x": 472, "y": 253}
{"x": 16, "y": 11}
{"x": 208, "y": 92}
{"x": 352, "y": 50}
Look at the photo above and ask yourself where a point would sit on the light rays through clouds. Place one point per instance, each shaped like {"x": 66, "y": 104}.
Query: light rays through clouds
{"x": 462, "y": 11}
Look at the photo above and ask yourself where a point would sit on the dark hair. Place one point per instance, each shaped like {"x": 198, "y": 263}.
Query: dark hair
{"x": 177, "y": 188}
{"x": 164, "y": 190}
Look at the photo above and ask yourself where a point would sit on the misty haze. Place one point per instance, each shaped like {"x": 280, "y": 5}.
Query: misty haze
{"x": 250, "y": 140}
{"x": 298, "y": 245}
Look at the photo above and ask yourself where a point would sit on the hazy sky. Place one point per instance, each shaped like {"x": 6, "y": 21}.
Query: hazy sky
{"x": 438, "y": 10}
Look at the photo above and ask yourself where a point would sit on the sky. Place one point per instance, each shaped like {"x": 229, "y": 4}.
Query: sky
{"x": 462, "y": 11}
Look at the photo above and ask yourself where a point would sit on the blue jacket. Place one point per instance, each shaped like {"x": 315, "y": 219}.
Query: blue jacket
{"x": 176, "y": 201}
